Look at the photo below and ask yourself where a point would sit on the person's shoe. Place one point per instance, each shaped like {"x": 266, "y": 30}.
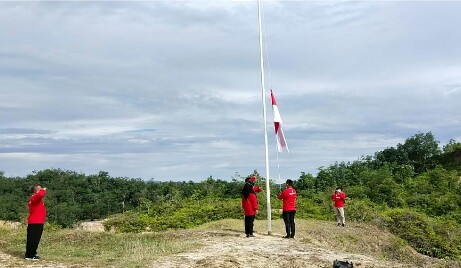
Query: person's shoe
{"x": 339, "y": 224}
{"x": 34, "y": 258}
{"x": 287, "y": 236}
{"x": 251, "y": 235}
{"x": 343, "y": 225}
{"x": 247, "y": 235}
{"x": 292, "y": 236}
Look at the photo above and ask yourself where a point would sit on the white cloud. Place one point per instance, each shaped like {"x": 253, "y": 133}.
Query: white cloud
{"x": 171, "y": 90}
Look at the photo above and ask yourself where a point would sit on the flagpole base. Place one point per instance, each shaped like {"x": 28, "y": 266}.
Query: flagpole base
{"x": 269, "y": 233}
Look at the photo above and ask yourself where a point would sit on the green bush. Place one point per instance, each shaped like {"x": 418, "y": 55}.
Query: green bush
{"x": 314, "y": 209}
{"x": 362, "y": 210}
{"x": 126, "y": 223}
{"x": 187, "y": 214}
{"x": 430, "y": 236}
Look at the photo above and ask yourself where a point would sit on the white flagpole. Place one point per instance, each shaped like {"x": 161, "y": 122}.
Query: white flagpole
{"x": 268, "y": 194}
{"x": 278, "y": 169}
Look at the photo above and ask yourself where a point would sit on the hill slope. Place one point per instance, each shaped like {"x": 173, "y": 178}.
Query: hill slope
{"x": 222, "y": 244}
{"x": 317, "y": 244}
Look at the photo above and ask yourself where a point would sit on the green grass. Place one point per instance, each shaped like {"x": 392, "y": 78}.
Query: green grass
{"x": 99, "y": 249}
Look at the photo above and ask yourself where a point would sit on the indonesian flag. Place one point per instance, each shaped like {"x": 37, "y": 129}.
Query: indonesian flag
{"x": 282, "y": 145}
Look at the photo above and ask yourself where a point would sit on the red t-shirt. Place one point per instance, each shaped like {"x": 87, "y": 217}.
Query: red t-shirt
{"x": 37, "y": 210}
{"x": 338, "y": 199}
{"x": 289, "y": 199}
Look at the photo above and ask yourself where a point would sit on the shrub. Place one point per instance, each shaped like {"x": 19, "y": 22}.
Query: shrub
{"x": 314, "y": 209}
{"x": 189, "y": 213}
{"x": 126, "y": 223}
{"x": 362, "y": 210}
{"x": 433, "y": 237}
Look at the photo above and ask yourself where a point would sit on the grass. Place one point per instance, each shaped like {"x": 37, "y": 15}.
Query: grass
{"x": 91, "y": 249}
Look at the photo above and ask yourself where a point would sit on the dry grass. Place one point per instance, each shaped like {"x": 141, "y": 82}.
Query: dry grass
{"x": 89, "y": 249}
{"x": 357, "y": 238}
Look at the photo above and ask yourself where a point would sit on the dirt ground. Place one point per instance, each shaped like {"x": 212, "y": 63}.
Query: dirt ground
{"x": 233, "y": 249}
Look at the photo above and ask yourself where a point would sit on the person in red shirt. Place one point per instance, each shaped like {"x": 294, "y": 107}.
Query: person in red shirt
{"x": 249, "y": 205}
{"x": 289, "y": 208}
{"x": 339, "y": 198}
{"x": 37, "y": 215}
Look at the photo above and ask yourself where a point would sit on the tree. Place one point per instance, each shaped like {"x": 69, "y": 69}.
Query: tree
{"x": 392, "y": 155}
{"x": 451, "y": 146}
{"x": 422, "y": 151}
{"x": 305, "y": 182}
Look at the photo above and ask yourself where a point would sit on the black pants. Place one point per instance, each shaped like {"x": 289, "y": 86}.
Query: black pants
{"x": 289, "y": 219}
{"x": 34, "y": 233}
{"x": 249, "y": 220}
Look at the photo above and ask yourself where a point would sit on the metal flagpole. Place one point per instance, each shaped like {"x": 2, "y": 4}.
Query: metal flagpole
{"x": 268, "y": 194}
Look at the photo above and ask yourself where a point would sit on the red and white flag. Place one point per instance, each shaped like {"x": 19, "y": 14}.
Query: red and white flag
{"x": 282, "y": 145}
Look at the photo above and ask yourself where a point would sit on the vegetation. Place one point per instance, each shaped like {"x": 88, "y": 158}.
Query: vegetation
{"x": 90, "y": 249}
{"x": 410, "y": 189}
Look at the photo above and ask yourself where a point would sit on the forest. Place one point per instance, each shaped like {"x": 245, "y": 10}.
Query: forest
{"x": 411, "y": 189}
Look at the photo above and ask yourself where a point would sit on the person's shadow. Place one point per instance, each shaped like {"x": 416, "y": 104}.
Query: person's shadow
{"x": 15, "y": 253}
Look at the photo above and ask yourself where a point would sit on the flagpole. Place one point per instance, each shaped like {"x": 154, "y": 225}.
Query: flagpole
{"x": 278, "y": 170}
{"x": 268, "y": 194}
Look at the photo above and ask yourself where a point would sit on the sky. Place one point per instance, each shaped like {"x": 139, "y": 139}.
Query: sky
{"x": 171, "y": 90}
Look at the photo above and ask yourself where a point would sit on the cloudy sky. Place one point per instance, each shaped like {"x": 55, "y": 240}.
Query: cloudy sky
{"x": 170, "y": 90}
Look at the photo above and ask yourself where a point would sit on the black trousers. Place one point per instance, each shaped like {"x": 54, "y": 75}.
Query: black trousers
{"x": 249, "y": 220}
{"x": 289, "y": 219}
{"x": 34, "y": 234}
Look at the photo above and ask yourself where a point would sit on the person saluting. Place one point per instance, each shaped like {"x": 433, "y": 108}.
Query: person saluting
{"x": 35, "y": 221}
{"x": 249, "y": 204}
{"x": 339, "y": 198}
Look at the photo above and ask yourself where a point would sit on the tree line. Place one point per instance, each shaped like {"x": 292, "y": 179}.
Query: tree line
{"x": 412, "y": 189}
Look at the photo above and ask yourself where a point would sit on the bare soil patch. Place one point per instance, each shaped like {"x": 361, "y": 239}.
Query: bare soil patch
{"x": 92, "y": 226}
{"x": 233, "y": 249}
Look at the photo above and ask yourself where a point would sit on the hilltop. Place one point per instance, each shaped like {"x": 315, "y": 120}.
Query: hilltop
{"x": 221, "y": 244}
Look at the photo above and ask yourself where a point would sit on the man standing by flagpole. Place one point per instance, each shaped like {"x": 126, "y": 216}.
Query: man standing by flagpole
{"x": 289, "y": 208}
